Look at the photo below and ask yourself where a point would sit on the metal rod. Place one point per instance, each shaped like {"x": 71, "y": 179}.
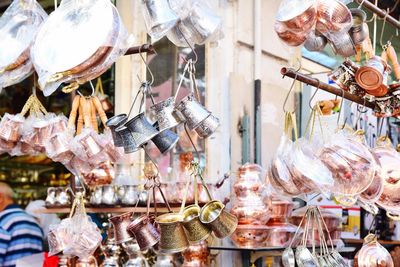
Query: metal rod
{"x": 380, "y": 12}
{"x": 326, "y": 87}
{"x": 146, "y": 48}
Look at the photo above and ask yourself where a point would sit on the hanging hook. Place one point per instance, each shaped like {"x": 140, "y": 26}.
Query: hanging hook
{"x": 191, "y": 47}
{"x": 147, "y": 65}
{"x": 191, "y": 141}
{"x": 383, "y": 29}
{"x": 313, "y": 95}
{"x": 340, "y": 108}
{"x": 92, "y": 87}
{"x": 291, "y": 87}
{"x": 361, "y": 4}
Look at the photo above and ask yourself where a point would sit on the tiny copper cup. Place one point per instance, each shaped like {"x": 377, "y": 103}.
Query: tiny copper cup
{"x": 9, "y": 130}
{"x": 42, "y": 131}
{"x": 60, "y": 147}
{"x": 221, "y": 222}
{"x": 121, "y": 223}
{"x": 173, "y": 236}
{"x": 195, "y": 230}
{"x": 92, "y": 148}
{"x": 146, "y": 234}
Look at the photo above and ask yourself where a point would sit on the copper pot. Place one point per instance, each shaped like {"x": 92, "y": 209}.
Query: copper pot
{"x": 280, "y": 210}
{"x": 250, "y": 236}
{"x": 196, "y": 253}
{"x": 121, "y": 223}
{"x": 288, "y": 37}
{"x": 371, "y": 76}
{"x": 145, "y": 232}
{"x": 298, "y": 16}
{"x": 333, "y": 16}
{"x": 279, "y": 234}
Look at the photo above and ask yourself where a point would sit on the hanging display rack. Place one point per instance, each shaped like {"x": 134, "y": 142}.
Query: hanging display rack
{"x": 326, "y": 87}
{"x": 146, "y": 48}
{"x": 379, "y": 12}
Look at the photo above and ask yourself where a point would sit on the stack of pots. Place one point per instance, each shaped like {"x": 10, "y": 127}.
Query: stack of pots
{"x": 279, "y": 231}
{"x": 249, "y": 208}
{"x": 332, "y": 221}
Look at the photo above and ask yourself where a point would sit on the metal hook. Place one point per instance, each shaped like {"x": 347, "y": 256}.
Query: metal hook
{"x": 383, "y": 28}
{"x": 147, "y": 65}
{"x": 291, "y": 88}
{"x": 340, "y": 108}
{"x": 191, "y": 47}
{"x": 91, "y": 86}
{"x": 191, "y": 141}
{"x": 362, "y": 3}
{"x": 152, "y": 161}
{"x": 313, "y": 95}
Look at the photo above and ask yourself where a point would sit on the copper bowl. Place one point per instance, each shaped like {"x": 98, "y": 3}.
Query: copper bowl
{"x": 389, "y": 161}
{"x": 280, "y": 210}
{"x": 332, "y": 221}
{"x": 298, "y": 18}
{"x": 250, "y": 236}
{"x": 279, "y": 234}
{"x": 371, "y": 76}
{"x": 251, "y": 212}
{"x": 333, "y": 16}
{"x": 288, "y": 37}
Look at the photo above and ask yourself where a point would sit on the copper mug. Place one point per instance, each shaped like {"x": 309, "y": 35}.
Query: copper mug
{"x": 145, "y": 232}
{"x": 195, "y": 230}
{"x": 90, "y": 145}
{"x": 371, "y": 76}
{"x": 42, "y": 131}
{"x": 121, "y": 223}
{"x": 9, "y": 130}
{"x": 215, "y": 216}
{"x": 173, "y": 238}
{"x": 60, "y": 148}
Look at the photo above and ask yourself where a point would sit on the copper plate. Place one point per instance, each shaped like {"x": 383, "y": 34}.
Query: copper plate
{"x": 369, "y": 78}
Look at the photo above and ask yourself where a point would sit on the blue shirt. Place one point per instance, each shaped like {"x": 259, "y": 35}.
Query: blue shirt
{"x": 20, "y": 235}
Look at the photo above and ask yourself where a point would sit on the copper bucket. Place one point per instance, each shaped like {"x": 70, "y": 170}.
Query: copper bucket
{"x": 121, "y": 223}
{"x": 221, "y": 222}
{"x": 173, "y": 237}
{"x": 146, "y": 234}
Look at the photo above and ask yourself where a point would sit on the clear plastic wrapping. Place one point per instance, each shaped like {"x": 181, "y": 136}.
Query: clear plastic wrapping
{"x": 18, "y": 27}
{"x": 351, "y": 163}
{"x": 76, "y": 235}
{"x": 10, "y": 131}
{"x": 85, "y": 52}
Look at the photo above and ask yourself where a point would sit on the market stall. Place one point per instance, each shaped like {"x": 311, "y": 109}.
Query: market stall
{"x": 141, "y": 165}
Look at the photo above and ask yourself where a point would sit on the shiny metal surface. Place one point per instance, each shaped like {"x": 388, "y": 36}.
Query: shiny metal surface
{"x": 195, "y": 230}
{"x": 120, "y": 224}
{"x": 113, "y": 123}
{"x": 165, "y": 140}
{"x": 215, "y": 216}
{"x": 165, "y": 114}
{"x": 144, "y": 231}
{"x": 207, "y": 127}
{"x": 193, "y": 111}
{"x": 141, "y": 129}
{"x": 173, "y": 236}
{"x": 129, "y": 142}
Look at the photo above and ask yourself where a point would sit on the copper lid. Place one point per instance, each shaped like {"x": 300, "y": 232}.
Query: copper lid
{"x": 369, "y": 78}
{"x": 379, "y": 92}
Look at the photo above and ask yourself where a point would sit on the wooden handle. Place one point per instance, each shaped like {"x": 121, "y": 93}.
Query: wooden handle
{"x": 86, "y": 112}
{"x": 358, "y": 52}
{"x": 80, "y": 120}
{"x": 391, "y": 54}
{"x": 384, "y": 55}
{"x": 100, "y": 111}
{"x": 74, "y": 111}
{"x": 368, "y": 49}
{"x": 93, "y": 115}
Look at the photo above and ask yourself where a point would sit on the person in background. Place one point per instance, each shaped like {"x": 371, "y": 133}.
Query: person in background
{"x": 44, "y": 220}
{"x": 20, "y": 235}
